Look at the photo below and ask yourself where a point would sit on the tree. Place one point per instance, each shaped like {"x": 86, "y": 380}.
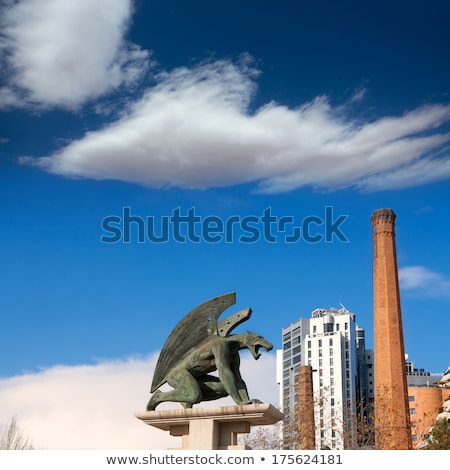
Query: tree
{"x": 440, "y": 436}
{"x": 12, "y": 438}
{"x": 263, "y": 438}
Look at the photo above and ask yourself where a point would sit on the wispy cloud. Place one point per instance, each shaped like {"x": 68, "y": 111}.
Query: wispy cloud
{"x": 194, "y": 130}
{"x": 423, "y": 281}
{"x": 62, "y": 53}
{"x": 358, "y": 95}
{"x": 92, "y": 406}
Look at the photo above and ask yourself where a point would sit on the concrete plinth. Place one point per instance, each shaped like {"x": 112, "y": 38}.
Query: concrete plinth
{"x": 211, "y": 428}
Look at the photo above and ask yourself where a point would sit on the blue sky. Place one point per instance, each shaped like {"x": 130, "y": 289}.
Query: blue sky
{"x": 229, "y": 109}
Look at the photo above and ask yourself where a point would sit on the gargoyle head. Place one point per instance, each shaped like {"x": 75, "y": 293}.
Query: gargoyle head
{"x": 254, "y": 343}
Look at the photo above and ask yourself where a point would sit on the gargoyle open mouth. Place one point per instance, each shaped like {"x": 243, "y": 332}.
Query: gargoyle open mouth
{"x": 265, "y": 345}
{"x": 256, "y": 353}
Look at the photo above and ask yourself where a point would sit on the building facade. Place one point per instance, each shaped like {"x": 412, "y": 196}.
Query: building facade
{"x": 429, "y": 400}
{"x": 334, "y": 346}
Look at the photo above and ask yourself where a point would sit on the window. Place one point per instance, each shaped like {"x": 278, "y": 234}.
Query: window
{"x": 320, "y": 343}
{"x": 411, "y": 398}
{"x": 314, "y": 329}
{"x": 412, "y": 411}
{"x": 331, "y": 341}
{"x": 296, "y": 350}
{"x": 287, "y": 336}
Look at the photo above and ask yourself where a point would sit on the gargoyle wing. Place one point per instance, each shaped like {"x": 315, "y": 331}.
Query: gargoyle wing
{"x": 197, "y": 325}
{"x": 227, "y": 325}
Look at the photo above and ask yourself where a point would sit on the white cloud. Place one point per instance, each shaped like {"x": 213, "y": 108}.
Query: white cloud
{"x": 424, "y": 281}
{"x": 358, "y": 95}
{"x": 62, "y": 53}
{"x": 92, "y": 406}
{"x": 194, "y": 130}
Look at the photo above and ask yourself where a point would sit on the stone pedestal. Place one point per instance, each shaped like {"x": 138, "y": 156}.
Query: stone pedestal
{"x": 211, "y": 428}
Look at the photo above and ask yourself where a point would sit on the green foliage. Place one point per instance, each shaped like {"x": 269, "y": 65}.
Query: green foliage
{"x": 440, "y": 436}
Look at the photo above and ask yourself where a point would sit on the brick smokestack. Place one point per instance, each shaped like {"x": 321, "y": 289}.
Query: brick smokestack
{"x": 392, "y": 426}
{"x": 306, "y": 426}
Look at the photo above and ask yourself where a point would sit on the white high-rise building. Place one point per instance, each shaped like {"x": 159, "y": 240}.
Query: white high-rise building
{"x": 333, "y": 345}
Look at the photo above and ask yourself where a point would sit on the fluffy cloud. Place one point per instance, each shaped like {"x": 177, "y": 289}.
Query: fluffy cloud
{"x": 424, "y": 281}
{"x": 92, "y": 406}
{"x": 62, "y": 53}
{"x": 194, "y": 130}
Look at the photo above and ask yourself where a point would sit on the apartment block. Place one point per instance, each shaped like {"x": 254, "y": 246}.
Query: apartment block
{"x": 332, "y": 343}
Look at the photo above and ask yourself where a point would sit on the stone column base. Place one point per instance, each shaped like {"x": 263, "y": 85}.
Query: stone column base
{"x": 211, "y": 428}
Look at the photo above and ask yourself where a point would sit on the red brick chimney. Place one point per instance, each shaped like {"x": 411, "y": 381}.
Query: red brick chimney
{"x": 392, "y": 426}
